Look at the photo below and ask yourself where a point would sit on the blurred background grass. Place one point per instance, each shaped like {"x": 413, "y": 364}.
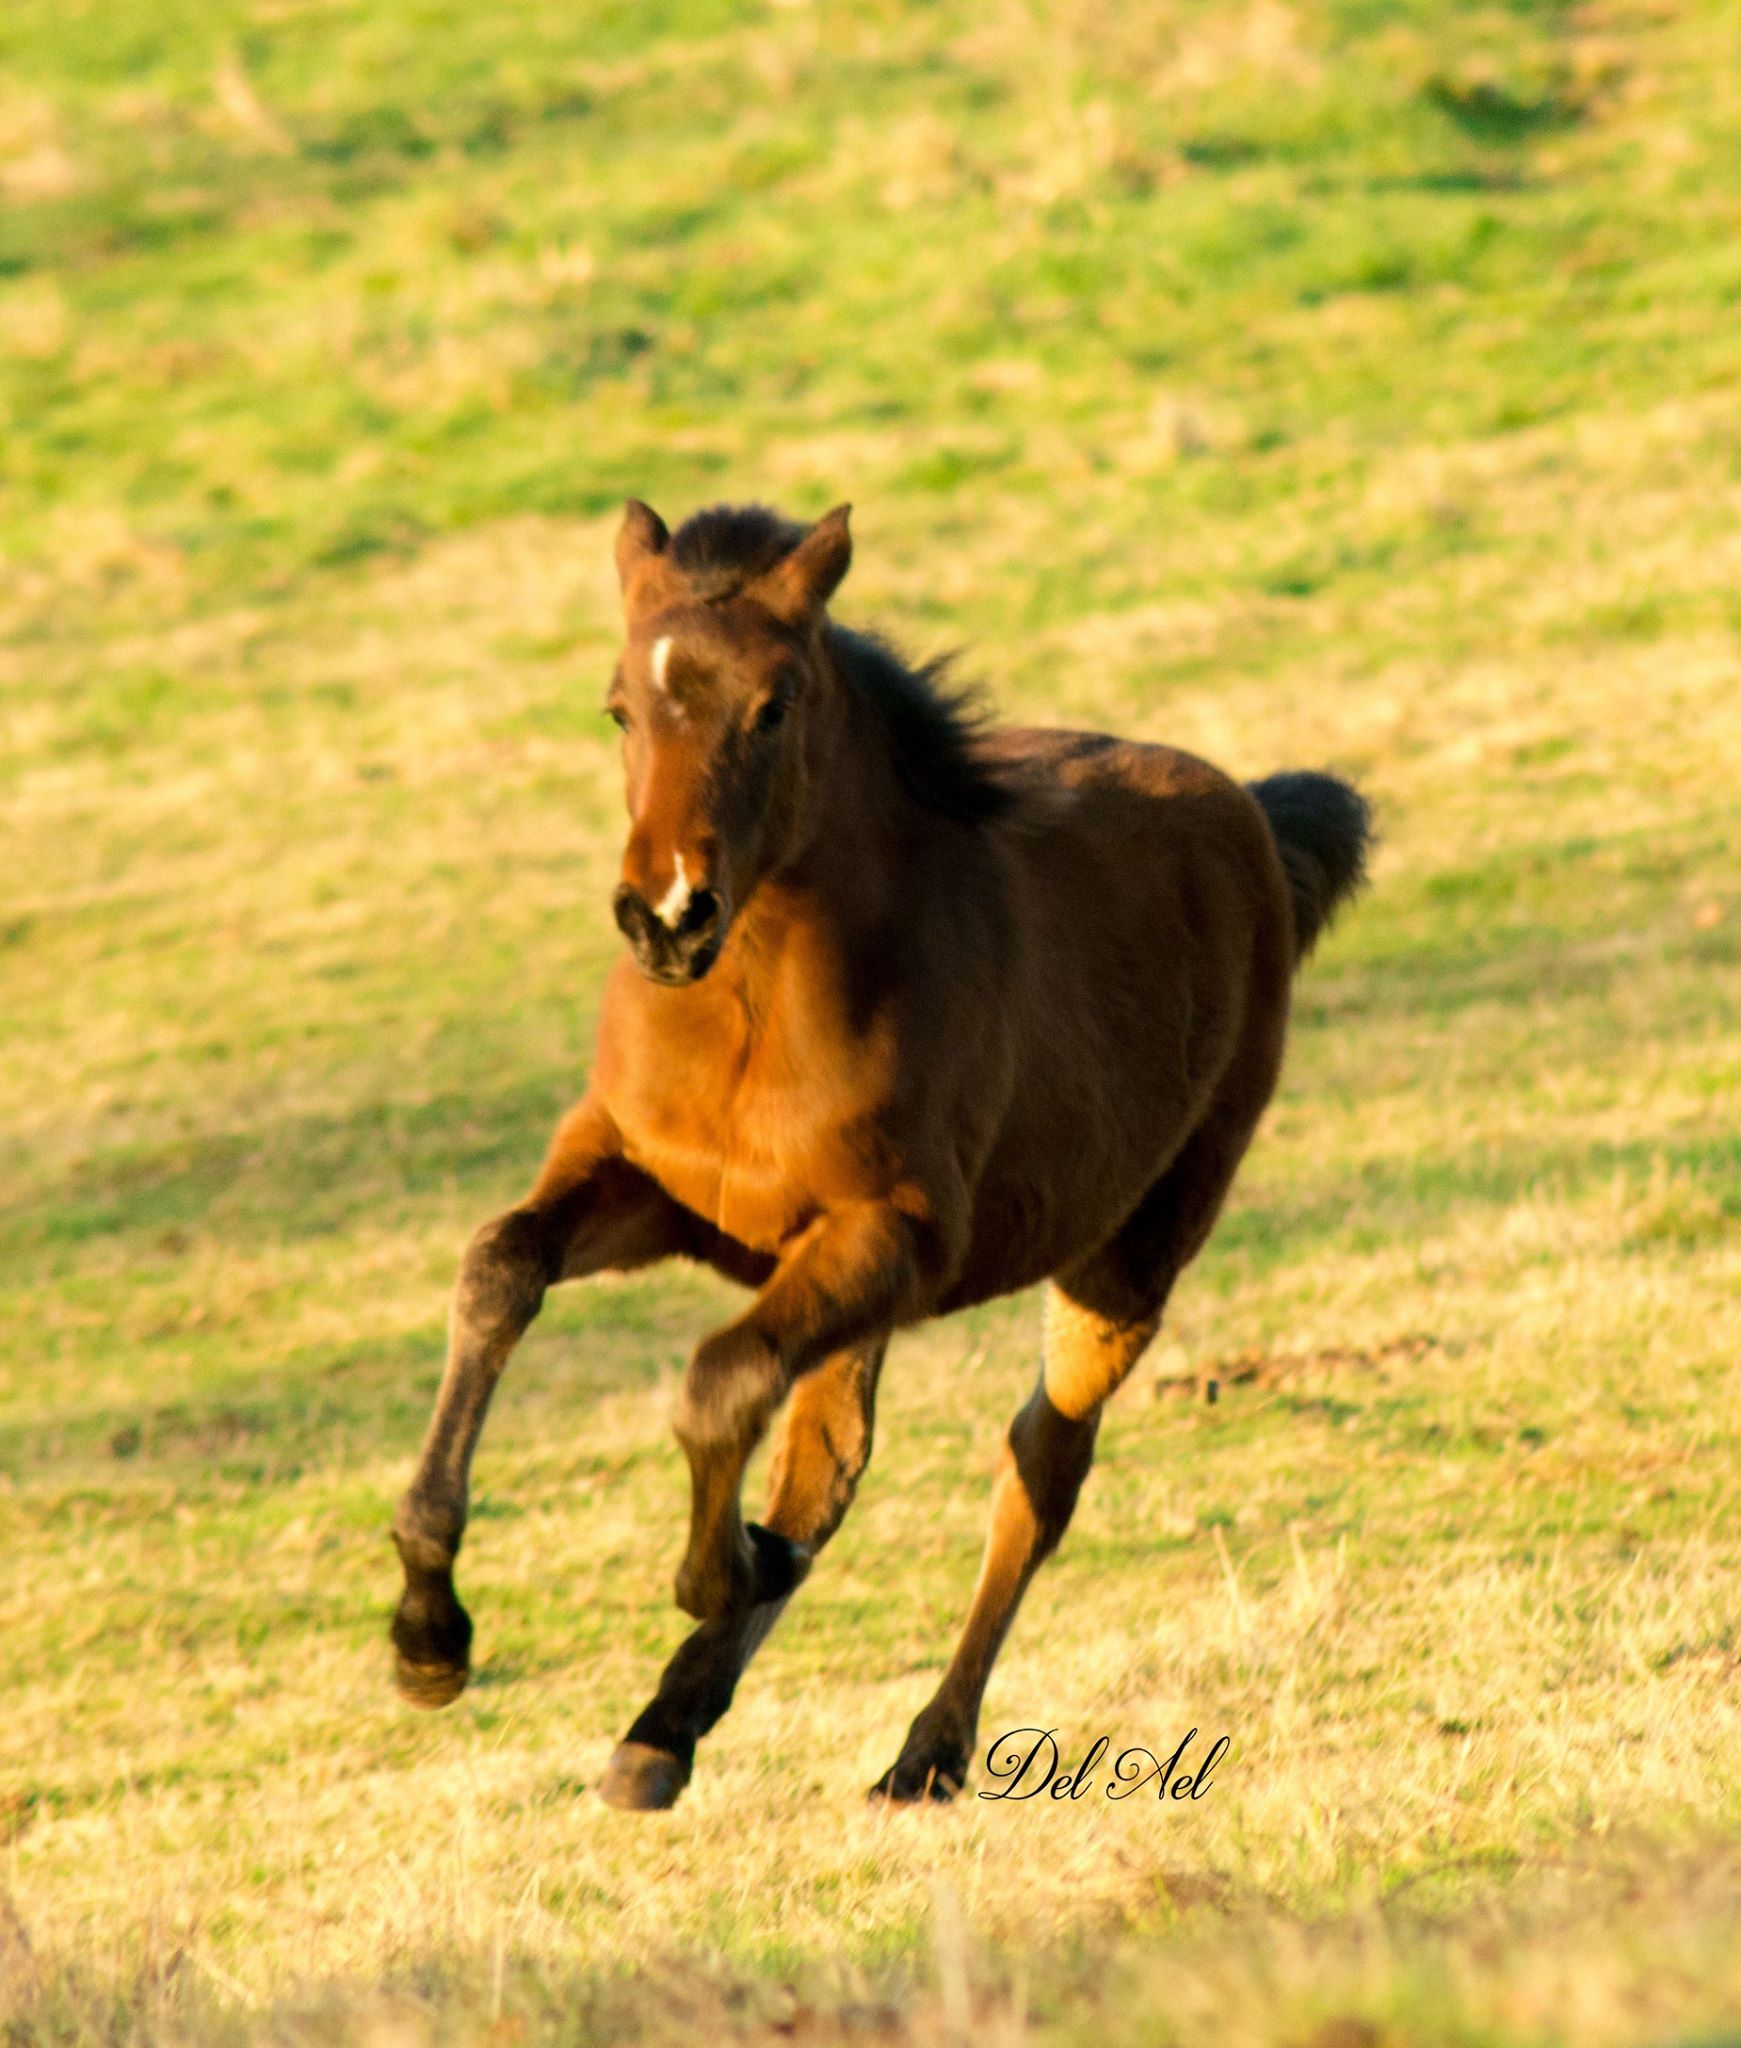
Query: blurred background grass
{"x": 1350, "y": 384}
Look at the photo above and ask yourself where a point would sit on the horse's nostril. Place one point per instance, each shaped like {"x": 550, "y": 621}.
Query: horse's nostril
{"x": 631, "y": 911}
{"x": 699, "y": 913}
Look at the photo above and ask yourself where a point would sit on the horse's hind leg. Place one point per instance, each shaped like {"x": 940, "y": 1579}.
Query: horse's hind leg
{"x": 1045, "y": 1459}
{"x": 1100, "y": 1317}
{"x": 823, "y": 1447}
{"x": 589, "y": 1209}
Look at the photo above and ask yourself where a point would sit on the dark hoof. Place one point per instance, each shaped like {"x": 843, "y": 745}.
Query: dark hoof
{"x": 432, "y": 1648}
{"x": 932, "y": 1775}
{"x": 429, "y": 1685}
{"x": 640, "y": 1779}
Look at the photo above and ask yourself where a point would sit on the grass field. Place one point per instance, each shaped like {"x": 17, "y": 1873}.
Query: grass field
{"x": 1352, "y": 385}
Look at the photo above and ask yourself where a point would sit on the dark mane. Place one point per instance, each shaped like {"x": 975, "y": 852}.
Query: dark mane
{"x": 935, "y": 733}
{"x": 727, "y": 546}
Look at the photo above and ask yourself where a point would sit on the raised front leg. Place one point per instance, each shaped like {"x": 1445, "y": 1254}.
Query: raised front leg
{"x": 589, "y": 1210}
{"x": 823, "y": 1447}
{"x": 856, "y": 1272}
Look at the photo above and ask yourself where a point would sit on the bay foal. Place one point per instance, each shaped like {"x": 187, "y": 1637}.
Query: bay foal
{"x": 914, "y": 1013}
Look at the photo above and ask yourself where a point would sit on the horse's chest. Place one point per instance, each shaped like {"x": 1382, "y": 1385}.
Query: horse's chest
{"x": 743, "y": 1147}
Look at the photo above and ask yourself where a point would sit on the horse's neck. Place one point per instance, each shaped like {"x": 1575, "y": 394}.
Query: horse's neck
{"x": 849, "y": 895}
{"x": 811, "y": 922}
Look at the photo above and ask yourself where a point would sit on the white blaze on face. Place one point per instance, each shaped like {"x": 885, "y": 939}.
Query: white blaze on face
{"x": 670, "y": 907}
{"x": 659, "y": 661}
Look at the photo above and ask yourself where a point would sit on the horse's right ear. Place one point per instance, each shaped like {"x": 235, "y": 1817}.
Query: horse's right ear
{"x": 642, "y": 539}
{"x": 801, "y": 583}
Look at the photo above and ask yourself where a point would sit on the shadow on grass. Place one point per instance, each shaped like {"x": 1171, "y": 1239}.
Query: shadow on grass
{"x": 370, "y": 1398}
{"x": 301, "y": 1177}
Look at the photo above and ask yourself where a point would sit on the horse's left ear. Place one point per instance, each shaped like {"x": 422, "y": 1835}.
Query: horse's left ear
{"x": 801, "y": 583}
{"x": 641, "y": 539}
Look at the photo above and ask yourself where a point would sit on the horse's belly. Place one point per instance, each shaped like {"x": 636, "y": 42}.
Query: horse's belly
{"x": 1021, "y": 1235}
{"x": 1084, "y": 1140}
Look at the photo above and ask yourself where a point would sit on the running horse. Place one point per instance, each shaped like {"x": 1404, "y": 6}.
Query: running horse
{"x": 914, "y": 1012}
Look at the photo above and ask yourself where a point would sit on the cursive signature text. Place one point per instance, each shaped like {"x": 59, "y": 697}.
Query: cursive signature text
{"x": 1027, "y": 1762}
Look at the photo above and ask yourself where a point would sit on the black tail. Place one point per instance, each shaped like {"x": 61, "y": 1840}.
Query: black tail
{"x": 1322, "y": 828}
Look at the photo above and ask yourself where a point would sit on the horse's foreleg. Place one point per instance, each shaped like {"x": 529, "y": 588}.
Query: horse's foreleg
{"x": 589, "y": 1209}
{"x": 822, "y": 1449}
{"x": 1045, "y": 1459}
{"x": 851, "y": 1276}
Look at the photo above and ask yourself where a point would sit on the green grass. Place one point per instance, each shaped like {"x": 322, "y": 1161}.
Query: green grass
{"x": 1351, "y": 385}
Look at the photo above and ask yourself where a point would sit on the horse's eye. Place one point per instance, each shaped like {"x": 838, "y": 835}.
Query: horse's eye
{"x": 618, "y": 716}
{"x": 772, "y": 715}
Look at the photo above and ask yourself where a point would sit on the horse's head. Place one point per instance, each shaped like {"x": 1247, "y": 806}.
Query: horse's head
{"x": 722, "y": 691}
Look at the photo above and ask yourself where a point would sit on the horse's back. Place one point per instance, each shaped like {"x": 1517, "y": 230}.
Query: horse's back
{"x": 1152, "y": 866}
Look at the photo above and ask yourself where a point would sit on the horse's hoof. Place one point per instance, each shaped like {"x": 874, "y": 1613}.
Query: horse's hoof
{"x": 641, "y": 1779}
{"x": 931, "y": 1777}
{"x": 429, "y": 1685}
{"x": 432, "y": 1646}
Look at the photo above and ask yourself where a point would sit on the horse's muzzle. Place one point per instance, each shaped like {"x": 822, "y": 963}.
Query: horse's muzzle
{"x": 674, "y": 954}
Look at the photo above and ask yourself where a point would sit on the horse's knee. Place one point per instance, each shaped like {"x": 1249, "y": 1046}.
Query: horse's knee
{"x": 731, "y": 1387}
{"x": 504, "y": 1273}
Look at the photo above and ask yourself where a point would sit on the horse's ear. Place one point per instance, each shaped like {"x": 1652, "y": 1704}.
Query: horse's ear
{"x": 801, "y": 583}
{"x": 641, "y": 539}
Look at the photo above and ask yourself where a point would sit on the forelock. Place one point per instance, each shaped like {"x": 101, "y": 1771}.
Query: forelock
{"x": 726, "y": 547}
